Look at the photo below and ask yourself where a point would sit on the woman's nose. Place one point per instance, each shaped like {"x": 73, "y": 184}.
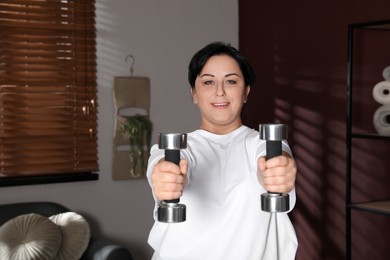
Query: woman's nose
{"x": 220, "y": 90}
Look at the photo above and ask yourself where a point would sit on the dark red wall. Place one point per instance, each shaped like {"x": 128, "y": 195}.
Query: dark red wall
{"x": 299, "y": 52}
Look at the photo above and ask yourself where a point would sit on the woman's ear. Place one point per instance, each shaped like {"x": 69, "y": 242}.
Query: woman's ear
{"x": 193, "y": 94}
{"x": 247, "y": 90}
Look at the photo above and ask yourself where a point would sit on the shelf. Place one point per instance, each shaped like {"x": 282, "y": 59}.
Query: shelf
{"x": 370, "y": 136}
{"x": 380, "y": 25}
{"x": 352, "y": 133}
{"x": 378, "y": 207}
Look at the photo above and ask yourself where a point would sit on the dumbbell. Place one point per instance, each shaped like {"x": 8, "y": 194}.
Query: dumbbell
{"x": 170, "y": 211}
{"x": 273, "y": 134}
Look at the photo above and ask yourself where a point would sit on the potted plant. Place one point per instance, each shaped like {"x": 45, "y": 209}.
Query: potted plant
{"x": 138, "y": 129}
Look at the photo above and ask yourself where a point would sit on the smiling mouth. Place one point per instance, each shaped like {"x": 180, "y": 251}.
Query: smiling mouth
{"x": 222, "y": 104}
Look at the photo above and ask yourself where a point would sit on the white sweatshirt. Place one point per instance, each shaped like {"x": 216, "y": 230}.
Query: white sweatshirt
{"x": 224, "y": 216}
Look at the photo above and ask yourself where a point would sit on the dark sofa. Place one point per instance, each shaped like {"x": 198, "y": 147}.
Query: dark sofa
{"x": 98, "y": 248}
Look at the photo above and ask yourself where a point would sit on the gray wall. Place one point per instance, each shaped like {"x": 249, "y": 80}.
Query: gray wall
{"x": 162, "y": 36}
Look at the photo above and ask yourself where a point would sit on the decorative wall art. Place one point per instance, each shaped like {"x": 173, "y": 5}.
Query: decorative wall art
{"x": 132, "y": 126}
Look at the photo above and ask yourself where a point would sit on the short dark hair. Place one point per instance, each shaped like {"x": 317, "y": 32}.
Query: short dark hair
{"x": 219, "y": 48}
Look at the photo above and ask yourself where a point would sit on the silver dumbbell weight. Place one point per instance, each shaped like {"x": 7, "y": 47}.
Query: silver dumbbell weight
{"x": 171, "y": 211}
{"x": 274, "y": 134}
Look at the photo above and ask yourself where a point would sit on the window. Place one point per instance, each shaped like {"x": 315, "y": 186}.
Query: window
{"x": 48, "y": 110}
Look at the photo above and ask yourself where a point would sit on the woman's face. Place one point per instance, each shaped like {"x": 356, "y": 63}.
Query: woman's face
{"x": 220, "y": 93}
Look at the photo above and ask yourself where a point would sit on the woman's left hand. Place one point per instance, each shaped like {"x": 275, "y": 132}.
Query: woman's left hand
{"x": 277, "y": 174}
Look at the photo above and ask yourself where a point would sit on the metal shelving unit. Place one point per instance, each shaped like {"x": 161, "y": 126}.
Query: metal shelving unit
{"x": 375, "y": 207}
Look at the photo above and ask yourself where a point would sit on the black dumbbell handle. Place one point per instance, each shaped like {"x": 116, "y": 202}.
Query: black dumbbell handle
{"x": 172, "y": 156}
{"x": 273, "y": 148}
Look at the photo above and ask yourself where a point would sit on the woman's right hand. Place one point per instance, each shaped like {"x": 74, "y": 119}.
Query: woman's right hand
{"x": 169, "y": 179}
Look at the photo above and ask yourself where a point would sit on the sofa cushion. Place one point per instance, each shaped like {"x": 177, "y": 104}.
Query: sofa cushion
{"x": 29, "y": 236}
{"x": 75, "y": 235}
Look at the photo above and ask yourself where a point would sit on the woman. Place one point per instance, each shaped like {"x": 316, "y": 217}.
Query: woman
{"x": 222, "y": 173}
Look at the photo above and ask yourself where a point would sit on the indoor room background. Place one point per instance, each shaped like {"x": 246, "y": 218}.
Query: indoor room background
{"x": 299, "y": 52}
{"x": 162, "y": 36}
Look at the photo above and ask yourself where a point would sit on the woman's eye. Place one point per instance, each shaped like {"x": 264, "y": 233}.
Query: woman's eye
{"x": 209, "y": 82}
{"x": 230, "y": 82}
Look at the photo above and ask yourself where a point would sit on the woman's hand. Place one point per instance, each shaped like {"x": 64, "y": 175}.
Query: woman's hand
{"x": 277, "y": 174}
{"x": 169, "y": 179}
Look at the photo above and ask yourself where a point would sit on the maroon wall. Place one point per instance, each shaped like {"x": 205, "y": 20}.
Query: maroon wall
{"x": 299, "y": 52}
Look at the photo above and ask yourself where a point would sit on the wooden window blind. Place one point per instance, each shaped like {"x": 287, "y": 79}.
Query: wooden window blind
{"x": 48, "y": 109}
